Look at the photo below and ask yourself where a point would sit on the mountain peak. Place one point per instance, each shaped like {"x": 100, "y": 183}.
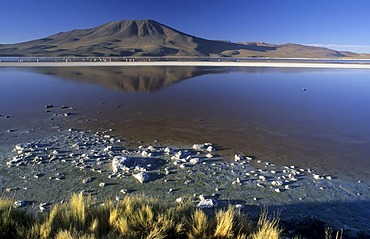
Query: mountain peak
{"x": 132, "y": 28}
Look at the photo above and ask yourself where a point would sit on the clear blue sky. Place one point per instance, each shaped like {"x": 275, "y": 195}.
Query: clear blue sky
{"x": 328, "y": 22}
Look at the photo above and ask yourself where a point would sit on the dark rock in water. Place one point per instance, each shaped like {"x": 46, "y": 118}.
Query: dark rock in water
{"x": 7, "y": 117}
{"x": 49, "y": 106}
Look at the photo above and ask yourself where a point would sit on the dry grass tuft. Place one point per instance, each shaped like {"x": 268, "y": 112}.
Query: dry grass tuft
{"x": 64, "y": 234}
{"x": 13, "y": 221}
{"x": 77, "y": 209}
{"x": 144, "y": 217}
{"x": 199, "y": 225}
{"x": 136, "y": 217}
{"x": 329, "y": 234}
{"x": 79, "y": 214}
{"x": 267, "y": 228}
{"x": 70, "y": 234}
{"x": 242, "y": 236}
{"x": 225, "y": 223}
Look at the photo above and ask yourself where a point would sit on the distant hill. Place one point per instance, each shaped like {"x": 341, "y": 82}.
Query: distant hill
{"x": 292, "y": 50}
{"x": 148, "y": 38}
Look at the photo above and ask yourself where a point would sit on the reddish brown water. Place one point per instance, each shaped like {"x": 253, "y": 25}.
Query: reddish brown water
{"x": 259, "y": 112}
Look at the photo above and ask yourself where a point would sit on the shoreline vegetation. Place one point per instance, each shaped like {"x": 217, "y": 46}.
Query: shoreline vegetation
{"x": 221, "y": 62}
{"x": 144, "y": 217}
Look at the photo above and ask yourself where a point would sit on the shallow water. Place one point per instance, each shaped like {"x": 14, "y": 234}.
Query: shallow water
{"x": 259, "y": 112}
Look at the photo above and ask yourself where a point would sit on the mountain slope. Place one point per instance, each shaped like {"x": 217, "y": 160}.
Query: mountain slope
{"x": 150, "y": 38}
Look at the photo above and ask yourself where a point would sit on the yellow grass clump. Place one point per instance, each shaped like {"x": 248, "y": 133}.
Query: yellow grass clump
{"x": 225, "y": 223}
{"x": 14, "y": 222}
{"x": 199, "y": 225}
{"x": 137, "y": 217}
{"x": 267, "y": 228}
{"x": 70, "y": 234}
{"x": 79, "y": 214}
{"x": 144, "y": 217}
{"x": 329, "y": 234}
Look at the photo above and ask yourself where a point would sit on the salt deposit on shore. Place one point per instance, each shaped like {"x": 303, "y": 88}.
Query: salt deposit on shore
{"x": 192, "y": 63}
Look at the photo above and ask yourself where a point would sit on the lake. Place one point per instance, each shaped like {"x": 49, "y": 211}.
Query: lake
{"x": 311, "y": 118}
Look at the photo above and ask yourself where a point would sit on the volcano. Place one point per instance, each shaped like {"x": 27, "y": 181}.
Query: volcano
{"x": 149, "y": 38}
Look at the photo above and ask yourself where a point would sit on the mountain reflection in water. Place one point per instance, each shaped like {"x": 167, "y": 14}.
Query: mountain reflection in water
{"x": 143, "y": 78}
{"x": 129, "y": 79}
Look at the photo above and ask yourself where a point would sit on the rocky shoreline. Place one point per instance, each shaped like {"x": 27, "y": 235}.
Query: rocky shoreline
{"x": 40, "y": 173}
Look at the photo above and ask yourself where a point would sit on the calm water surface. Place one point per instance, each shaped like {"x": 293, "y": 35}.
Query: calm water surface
{"x": 259, "y": 112}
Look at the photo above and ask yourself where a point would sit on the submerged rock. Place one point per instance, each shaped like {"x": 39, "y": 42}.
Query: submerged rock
{"x": 20, "y": 203}
{"x": 207, "y": 203}
{"x": 11, "y": 189}
{"x": 44, "y": 207}
{"x": 87, "y": 180}
{"x": 142, "y": 177}
{"x": 15, "y": 161}
{"x": 194, "y": 160}
{"x": 238, "y": 158}
{"x": 209, "y": 155}
{"x": 210, "y": 148}
{"x": 167, "y": 150}
{"x": 198, "y": 147}
{"x": 122, "y": 163}
{"x": 204, "y": 147}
